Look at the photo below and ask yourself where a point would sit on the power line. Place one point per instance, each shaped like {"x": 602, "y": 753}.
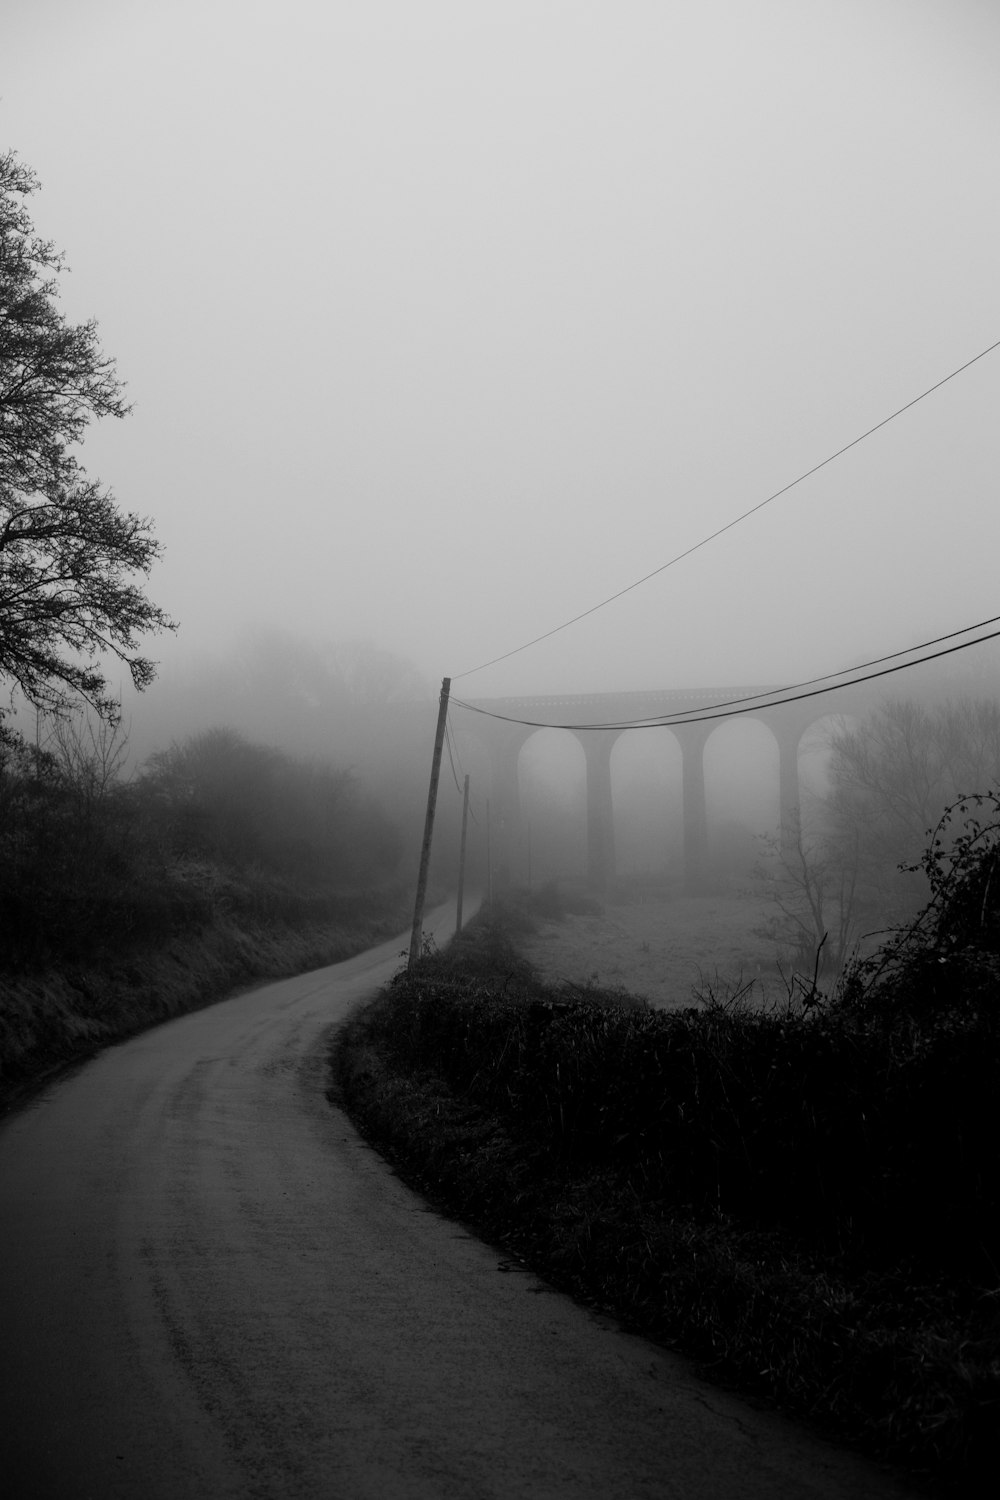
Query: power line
{"x": 556, "y": 629}
{"x": 452, "y": 748}
{"x": 755, "y": 702}
{"x": 454, "y": 754}
{"x": 758, "y": 699}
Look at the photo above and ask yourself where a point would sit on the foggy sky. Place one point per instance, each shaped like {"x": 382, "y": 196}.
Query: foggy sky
{"x": 445, "y": 319}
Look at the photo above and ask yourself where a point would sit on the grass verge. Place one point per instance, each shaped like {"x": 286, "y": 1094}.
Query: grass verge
{"x": 57, "y": 1017}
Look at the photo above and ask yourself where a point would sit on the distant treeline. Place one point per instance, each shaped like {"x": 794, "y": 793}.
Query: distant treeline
{"x": 127, "y": 900}
{"x": 90, "y": 860}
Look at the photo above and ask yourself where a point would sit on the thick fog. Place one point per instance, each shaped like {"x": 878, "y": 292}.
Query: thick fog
{"x": 443, "y": 322}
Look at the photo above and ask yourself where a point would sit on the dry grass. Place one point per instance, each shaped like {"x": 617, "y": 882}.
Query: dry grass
{"x": 662, "y": 948}
{"x": 57, "y": 1017}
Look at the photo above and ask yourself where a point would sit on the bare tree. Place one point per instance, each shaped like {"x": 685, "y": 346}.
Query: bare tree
{"x": 854, "y": 873}
{"x": 895, "y": 773}
{"x": 68, "y": 556}
{"x": 90, "y": 753}
{"x": 814, "y": 884}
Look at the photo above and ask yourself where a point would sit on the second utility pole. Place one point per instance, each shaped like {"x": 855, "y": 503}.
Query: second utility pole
{"x": 461, "y": 857}
{"x": 425, "y": 848}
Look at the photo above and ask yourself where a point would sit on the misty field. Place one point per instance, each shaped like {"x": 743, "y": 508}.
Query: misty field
{"x": 663, "y": 947}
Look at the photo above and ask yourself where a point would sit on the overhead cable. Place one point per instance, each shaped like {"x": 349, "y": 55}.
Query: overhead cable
{"x": 756, "y": 702}
{"x": 761, "y": 699}
{"x": 556, "y": 629}
{"x": 452, "y": 754}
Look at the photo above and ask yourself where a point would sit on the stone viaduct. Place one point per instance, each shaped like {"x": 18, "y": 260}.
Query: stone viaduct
{"x": 504, "y": 725}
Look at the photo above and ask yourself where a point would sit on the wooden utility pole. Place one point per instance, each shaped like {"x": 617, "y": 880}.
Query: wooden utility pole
{"x": 489, "y": 859}
{"x": 425, "y": 848}
{"x": 461, "y": 856}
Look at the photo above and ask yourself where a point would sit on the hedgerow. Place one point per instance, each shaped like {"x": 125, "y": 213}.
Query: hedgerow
{"x": 806, "y": 1199}
{"x": 858, "y": 1137}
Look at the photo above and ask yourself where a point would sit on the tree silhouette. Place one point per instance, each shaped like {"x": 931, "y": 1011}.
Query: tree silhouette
{"x": 68, "y": 556}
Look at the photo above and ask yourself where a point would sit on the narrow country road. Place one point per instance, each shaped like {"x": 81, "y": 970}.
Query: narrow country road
{"x": 210, "y": 1287}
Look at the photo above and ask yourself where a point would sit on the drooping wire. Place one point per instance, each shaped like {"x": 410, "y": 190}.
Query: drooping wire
{"x": 793, "y": 687}
{"x": 753, "y": 703}
{"x": 452, "y": 753}
{"x": 556, "y": 629}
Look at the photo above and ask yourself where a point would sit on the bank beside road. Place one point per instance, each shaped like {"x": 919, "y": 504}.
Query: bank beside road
{"x": 752, "y": 1188}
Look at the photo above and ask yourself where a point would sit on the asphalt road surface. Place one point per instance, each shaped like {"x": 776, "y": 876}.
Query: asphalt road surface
{"x": 210, "y": 1287}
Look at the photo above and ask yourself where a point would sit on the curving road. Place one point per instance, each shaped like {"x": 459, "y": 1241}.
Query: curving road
{"x": 210, "y": 1287}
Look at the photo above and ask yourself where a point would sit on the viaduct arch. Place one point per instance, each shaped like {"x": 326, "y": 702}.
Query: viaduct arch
{"x": 504, "y": 725}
